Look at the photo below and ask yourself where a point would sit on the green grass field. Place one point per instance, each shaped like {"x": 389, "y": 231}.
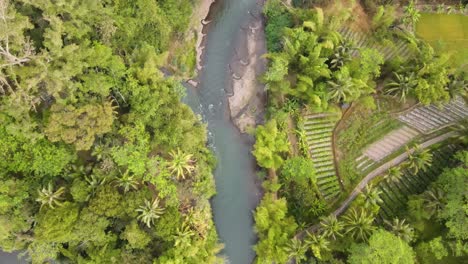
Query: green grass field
{"x": 447, "y": 33}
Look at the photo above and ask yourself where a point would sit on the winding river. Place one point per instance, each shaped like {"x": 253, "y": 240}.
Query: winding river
{"x": 236, "y": 182}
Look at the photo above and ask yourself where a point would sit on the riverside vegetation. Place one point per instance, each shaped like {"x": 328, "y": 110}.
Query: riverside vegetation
{"x": 100, "y": 162}
{"x": 323, "y": 57}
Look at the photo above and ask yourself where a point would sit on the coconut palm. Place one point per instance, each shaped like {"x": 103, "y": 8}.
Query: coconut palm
{"x": 394, "y": 174}
{"x": 461, "y": 128}
{"x": 434, "y": 200}
{"x": 371, "y": 196}
{"x": 342, "y": 89}
{"x": 150, "y": 211}
{"x": 358, "y": 223}
{"x": 183, "y": 237}
{"x": 47, "y": 196}
{"x": 331, "y": 227}
{"x": 296, "y": 250}
{"x": 420, "y": 159}
{"x": 401, "y": 86}
{"x": 457, "y": 87}
{"x": 318, "y": 244}
{"x": 401, "y": 229}
{"x": 342, "y": 55}
{"x": 181, "y": 164}
{"x": 127, "y": 182}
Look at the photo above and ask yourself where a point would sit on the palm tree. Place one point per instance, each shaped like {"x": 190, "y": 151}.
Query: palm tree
{"x": 332, "y": 228}
{"x": 412, "y": 15}
{"x": 401, "y": 229}
{"x": 418, "y": 160}
{"x": 47, "y": 196}
{"x": 150, "y": 211}
{"x": 394, "y": 174}
{"x": 181, "y": 164}
{"x": 342, "y": 55}
{"x": 297, "y": 250}
{"x": 434, "y": 200}
{"x": 341, "y": 89}
{"x": 462, "y": 130}
{"x": 94, "y": 182}
{"x": 457, "y": 87}
{"x": 184, "y": 235}
{"x": 401, "y": 86}
{"x": 318, "y": 244}
{"x": 371, "y": 196}
{"x": 127, "y": 182}
{"x": 359, "y": 224}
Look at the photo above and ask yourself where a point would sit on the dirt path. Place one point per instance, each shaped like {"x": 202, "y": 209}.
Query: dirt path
{"x": 378, "y": 171}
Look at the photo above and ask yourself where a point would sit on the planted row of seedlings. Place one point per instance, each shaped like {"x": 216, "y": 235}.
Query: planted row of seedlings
{"x": 361, "y": 40}
{"x": 394, "y": 195}
{"x": 319, "y": 132}
{"x": 429, "y": 118}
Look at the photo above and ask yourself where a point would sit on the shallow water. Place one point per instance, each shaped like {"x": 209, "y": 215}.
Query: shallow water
{"x": 236, "y": 182}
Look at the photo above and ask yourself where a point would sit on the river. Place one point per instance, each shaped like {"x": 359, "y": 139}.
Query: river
{"x": 237, "y": 185}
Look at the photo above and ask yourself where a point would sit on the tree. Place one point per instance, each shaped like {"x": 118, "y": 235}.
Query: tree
{"x": 79, "y": 125}
{"x": 137, "y": 238}
{"x": 342, "y": 55}
{"x": 420, "y": 159}
{"x": 383, "y": 248}
{"x": 127, "y": 182}
{"x": 150, "y": 211}
{"x": 318, "y": 244}
{"x": 271, "y": 143}
{"x": 394, "y": 174}
{"x": 47, "y": 196}
{"x": 401, "y": 86}
{"x": 432, "y": 251}
{"x": 180, "y": 164}
{"x": 400, "y": 229}
{"x": 358, "y": 223}
{"x": 275, "y": 230}
{"x": 434, "y": 200}
{"x": 331, "y": 227}
{"x": 296, "y": 250}
{"x": 411, "y": 15}
{"x": 371, "y": 196}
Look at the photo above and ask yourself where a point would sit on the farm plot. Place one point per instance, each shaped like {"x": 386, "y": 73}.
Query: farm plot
{"x": 319, "y": 130}
{"x": 427, "y": 119}
{"x": 390, "y": 143}
{"x": 361, "y": 40}
{"x": 446, "y": 33}
{"x": 394, "y": 195}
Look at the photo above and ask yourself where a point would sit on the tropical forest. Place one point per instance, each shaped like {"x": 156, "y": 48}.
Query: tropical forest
{"x": 234, "y": 131}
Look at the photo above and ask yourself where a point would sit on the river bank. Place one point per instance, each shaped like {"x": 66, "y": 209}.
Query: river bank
{"x": 224, "y": 47}
{"x": 247, "y": 99}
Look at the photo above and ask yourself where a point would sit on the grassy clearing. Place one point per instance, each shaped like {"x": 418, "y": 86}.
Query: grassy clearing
{"x": 446, "y": 33}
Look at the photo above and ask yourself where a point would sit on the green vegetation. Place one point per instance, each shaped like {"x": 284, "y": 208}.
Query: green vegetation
{"x": 100, "y": 162}
{"x": 373, "y": 66}
{"x": 447, "y": 33}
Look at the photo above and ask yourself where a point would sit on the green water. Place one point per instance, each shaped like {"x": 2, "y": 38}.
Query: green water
{"x": 237, "y": 191}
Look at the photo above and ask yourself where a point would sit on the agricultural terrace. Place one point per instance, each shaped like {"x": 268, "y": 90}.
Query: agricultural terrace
{"x": 446, "y": 33}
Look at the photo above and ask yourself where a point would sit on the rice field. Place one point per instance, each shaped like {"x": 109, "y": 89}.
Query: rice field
{"x": 446, "y": 33}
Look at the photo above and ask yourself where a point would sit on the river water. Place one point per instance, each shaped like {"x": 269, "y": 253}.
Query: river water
{"x": 236, "y": 182}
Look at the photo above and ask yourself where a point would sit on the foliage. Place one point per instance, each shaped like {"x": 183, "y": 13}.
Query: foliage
{"x": 383, "y": 247}
{"x": 88, "y": 123}
{"x": 271, "y": 144}
{"x": 274, "y": 229}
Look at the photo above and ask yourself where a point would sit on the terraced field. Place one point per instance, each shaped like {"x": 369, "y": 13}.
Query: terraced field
{"x": 427, "y": 119}
{"x": 362, "y": 40}
{"x": 319, "y": 132}
{"x": 394, "y": 195}
{"x": 380, "y": 149}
